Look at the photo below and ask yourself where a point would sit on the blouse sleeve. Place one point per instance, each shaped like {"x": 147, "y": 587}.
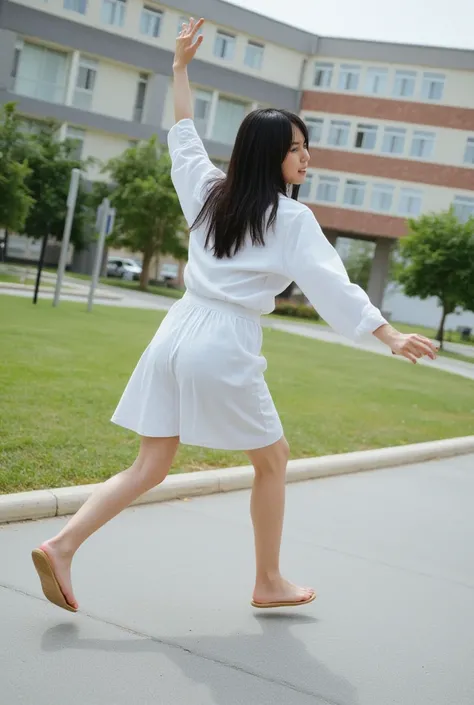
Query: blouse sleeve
{"x": 313, "y": 263}
{"x": 191, "y": 168}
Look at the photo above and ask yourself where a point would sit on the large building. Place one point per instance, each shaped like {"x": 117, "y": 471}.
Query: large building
{"x": 391, "y": 125}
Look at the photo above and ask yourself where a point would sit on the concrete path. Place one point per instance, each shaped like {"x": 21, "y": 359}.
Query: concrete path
{"x": 165, "y": 615}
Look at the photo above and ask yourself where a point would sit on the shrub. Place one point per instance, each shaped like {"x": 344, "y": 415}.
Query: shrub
{"x": 286, "y": 308}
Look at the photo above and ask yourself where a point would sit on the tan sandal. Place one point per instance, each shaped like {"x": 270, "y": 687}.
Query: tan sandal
{"x": 268, "y": 605}
{"x": 49, "y": 583}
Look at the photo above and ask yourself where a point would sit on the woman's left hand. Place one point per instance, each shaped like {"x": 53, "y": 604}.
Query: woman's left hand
{"x": 413, "y": 346}
{"x": 186, "y": 47}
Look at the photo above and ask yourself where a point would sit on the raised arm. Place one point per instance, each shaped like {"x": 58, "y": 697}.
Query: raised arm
{"x": 186, "y": 48}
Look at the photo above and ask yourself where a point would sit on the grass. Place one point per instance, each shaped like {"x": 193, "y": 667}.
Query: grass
{"x": 62, "y": 372}
{"x": 124, "y": 284}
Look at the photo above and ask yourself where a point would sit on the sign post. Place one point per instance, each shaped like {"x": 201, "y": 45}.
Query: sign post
{"x": 104, "y": 224}
{"x": 71, "y": 205}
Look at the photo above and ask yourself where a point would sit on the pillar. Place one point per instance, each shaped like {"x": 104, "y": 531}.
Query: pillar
{"x": 155, "y": 97}
{"x": 7, "y": 55}
{"x": 379, "y": 271}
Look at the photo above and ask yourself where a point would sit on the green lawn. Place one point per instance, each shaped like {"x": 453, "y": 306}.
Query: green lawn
{"x": 124, "y": 284}
{"x": 63, "y": 370}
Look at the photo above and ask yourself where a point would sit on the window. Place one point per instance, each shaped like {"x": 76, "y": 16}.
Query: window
{"x": 323, "y": 75}
{"x": 376, "y": 81}
{"x": 305, "y": 188}
{"x": 327, "y": 189}
{"x": 224, "y": 45}
{"x": 382, "y": 198}
{"x": 349, "y": 77}
{"x": 229, "y": 115}
{"x": 354, "y": 192}
{"x": 315, "y": 129}
{"x": 393, "y": 140}
{"x": 254, "y": 55}
{"x": 113, "y": 12}
{"x": 85, "y": 81}
{"x": 41, "y": 73}
{"x": 338, "y": 133}
{"x": 422, "y": 144}
{"x": 140, "y": 98}
{"x": 77, "y": 136}
{"x": 469, "y": 152}
{"x": 202, "y": 108}
{"x": 404, "y": 86}
{"x": 366, "y": 136}
{"x": 433, "y": 86}
{"x": 410, "y": 202}
{"x": 76, "y": 6}
{"x": 463, "y": 208}
{"x": 150, "y": 22}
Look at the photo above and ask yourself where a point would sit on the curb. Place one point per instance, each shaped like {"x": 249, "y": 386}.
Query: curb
{"x": 40, "y": 504}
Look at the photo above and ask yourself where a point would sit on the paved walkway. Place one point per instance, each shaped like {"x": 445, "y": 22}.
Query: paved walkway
{"x": 165, "y": 615}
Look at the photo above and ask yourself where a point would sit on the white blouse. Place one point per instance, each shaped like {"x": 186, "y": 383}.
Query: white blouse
{"x": 295, "y": 250}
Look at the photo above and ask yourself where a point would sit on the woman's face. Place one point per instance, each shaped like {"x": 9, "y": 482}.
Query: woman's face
{"x": 296, "y": 161}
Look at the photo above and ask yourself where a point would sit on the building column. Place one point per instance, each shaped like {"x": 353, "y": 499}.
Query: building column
{"x": 379, "y": 271}
{"x": 155, "y": 98}
{"x": 212, "y": 115}
{"x": 72, "y": 77}
{"x": 7, "y": 56}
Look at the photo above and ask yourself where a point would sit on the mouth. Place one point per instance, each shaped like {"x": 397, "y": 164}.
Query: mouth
{"x": 302, "y": 171}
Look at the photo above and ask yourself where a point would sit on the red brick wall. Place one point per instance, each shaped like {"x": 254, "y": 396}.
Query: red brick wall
{"x": 355, "y": 222}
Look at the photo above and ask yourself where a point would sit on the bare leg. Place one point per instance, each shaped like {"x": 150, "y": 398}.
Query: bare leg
{"x": 267, "y": 510}
{"x": 149, "y": 469}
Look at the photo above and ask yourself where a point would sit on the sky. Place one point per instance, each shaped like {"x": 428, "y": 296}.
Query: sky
{"x": 447, "y": 23}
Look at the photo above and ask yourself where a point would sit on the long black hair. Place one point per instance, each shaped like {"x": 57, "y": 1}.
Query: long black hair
{"x": 239, "y": 203}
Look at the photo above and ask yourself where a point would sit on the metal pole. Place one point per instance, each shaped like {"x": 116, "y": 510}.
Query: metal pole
{"x": 103, "y": 216}
{"x": 40, "y": 264}
{"x": 71, "y": 205}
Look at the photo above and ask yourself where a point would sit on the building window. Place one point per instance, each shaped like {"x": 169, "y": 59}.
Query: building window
{"x": 315, "y": 129}
{"x": 150, "y": 21}
{"x": 76, "y": 135}
{"x": 254, "y": 55}
{"x": 354, "y": 192}
{"x": 410, "y": 202}
{"x": 393, "y": 140}
{"x": 79, "y": 6}
{"x": 85, "y": 82}
{"x": 202, "y": 109}
{"x": 323, "y": 75}
{"x": 305, "y": 188}
{"x": 224, "y": 45}
{"x": 404, "y": 86}
{"x": 366, "y": 136}
{"x": 469, "y": 151}
{"x": 382, "y": 198}
{"x": 463, "y": 208}
{"x": 327, "y": 189}
{"x": 41, "y": 73}
{"x": 376, "y": 81}
{"x": 349, "y": 77}
{"x": 113, "y": 12}
{"x": 338, "y": 133}
{"x": 229, "y": 115}
{"x": 140, "y": 98}
{"x": 432, "y": 87}
{"x": 422, "y": 144}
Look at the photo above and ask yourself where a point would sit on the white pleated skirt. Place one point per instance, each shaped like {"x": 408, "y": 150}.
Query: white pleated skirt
{"x": 202, "y": 379}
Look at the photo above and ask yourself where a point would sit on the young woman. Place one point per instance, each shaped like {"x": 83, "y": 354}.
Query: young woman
{"x": 200, "y": 381}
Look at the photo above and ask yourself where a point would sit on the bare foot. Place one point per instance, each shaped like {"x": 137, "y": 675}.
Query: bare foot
{"x": 281, "y": 590}
{"x": 61, "y": 561}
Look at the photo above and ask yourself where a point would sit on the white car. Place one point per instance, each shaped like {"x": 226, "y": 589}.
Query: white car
{"x": 123, "y": 268}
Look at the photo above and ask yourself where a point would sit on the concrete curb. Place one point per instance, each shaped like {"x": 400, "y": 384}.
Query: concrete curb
{"x": 41, "y": 504}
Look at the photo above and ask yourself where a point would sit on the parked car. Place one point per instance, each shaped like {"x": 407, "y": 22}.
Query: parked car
{"x": 123, "y": 268}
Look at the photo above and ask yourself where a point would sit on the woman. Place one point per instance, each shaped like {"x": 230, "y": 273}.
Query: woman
{"x": 200, "y": 381}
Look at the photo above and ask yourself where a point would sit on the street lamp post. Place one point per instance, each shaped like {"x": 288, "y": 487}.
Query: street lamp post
{"x": 71, "y": 205}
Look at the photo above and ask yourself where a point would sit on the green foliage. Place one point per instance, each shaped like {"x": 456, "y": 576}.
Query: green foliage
{"x": 359, "y": 262}
{"x": 15, "y": 197}
{"x": 286, "y": 308}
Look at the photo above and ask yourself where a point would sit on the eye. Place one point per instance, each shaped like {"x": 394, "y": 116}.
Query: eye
{"x": 294, "y": 149}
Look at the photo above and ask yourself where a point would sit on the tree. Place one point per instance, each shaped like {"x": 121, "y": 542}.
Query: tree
{"x": 149, "y": 218}
{"x": 359, "y": 262}
{"x": 437, "y": 259}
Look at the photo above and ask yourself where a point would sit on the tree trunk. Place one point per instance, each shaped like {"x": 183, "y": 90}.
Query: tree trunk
{"x": 440, "y": 333}
{"x": 44, "y": 244}
{"x": 5, "y": 245}
{"x": 145, "y": 275}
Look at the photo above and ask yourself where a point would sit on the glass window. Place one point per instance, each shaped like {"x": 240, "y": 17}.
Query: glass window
{"x": 404, "y": 86}
{"x": 150, "y": 21}
{"x": 382, "y": 198}
{"x": 410, "y": 202}
{"x": 327, "y": 189}
{"x": 348, "y": 77}
{"x": 366, "y": 136}
{"x": 113, "y": 12}
{"x": 354, "y": 192}
{"x": 323, "y": 74}
{"x": 432, "y": 87}
{"x": 41, "y": 73}
{"x": 77, "y": 135}
{"x": 254, "y": 55}
{"x": 315, "y": 129}
{"x": 305, "y": 188}
{"x": 202, "y": 108}
{"x": 463, "y": 208}
{"x": 85, "y": 82}
{"x": 76, "y": 6}
{"x": 140, "y": 97}
{"x": 469, "y": 152}
{"x": 376, "y": 81}
{"x": 393, "y": 140}
{"x": 229, "y": 115}
{"x": 422, "y": 144}
{"x": 224, "y": 45}
{"x": 338, "y": 133}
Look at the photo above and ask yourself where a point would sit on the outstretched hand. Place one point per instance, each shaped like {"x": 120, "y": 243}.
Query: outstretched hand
{"x": 413, "y": 346}
{"x": 187, "y": 44}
